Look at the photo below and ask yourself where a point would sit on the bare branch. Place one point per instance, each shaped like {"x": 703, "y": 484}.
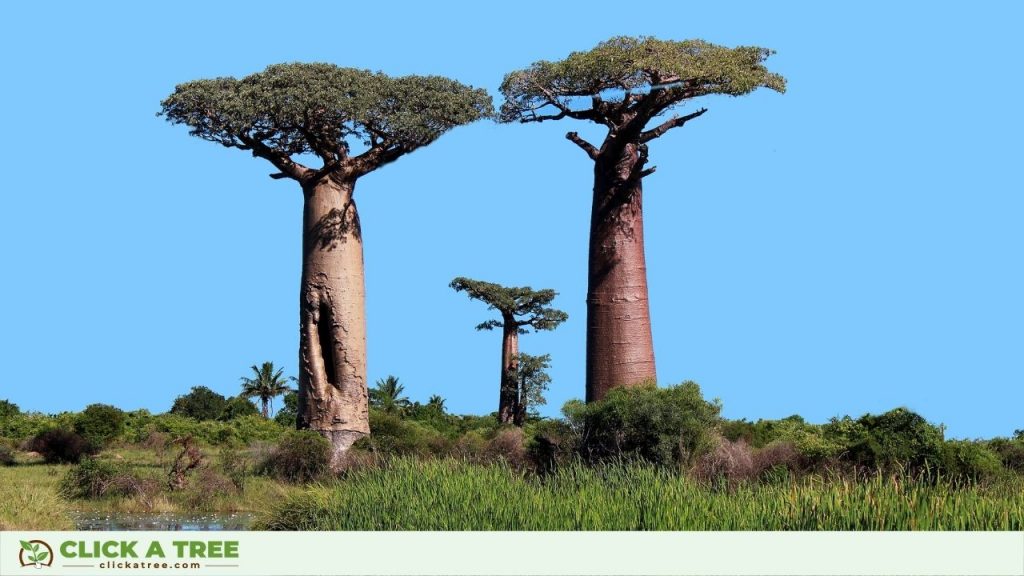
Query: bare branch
{"x": 674, "y": 122}
{"x": 280, "y": 160}
{"x": 586, "y": 146}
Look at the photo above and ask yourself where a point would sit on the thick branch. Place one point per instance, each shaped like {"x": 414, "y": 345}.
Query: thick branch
{"x": 378, "y": 156}
{"x": 674, "y": 122}
{"x": 288, "y": 168}
{"x": 586, "y": 146}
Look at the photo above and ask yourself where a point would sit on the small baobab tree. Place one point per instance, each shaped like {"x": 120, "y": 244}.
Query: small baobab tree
{"x": 622, "y": 85}
{"x": 352, "y": 122}
{"x": 520, "y": 308}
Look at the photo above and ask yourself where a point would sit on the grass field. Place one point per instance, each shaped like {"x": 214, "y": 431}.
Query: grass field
{"x": 30, "y": 499}
{"x": 452, "y": 495}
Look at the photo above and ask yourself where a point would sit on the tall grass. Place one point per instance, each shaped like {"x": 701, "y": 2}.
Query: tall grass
{"x": 452, "y": 495}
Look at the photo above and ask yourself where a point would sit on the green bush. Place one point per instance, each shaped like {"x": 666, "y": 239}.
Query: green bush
{"x": 673, "y": 425}
{"x": 200, "y": 403}
{"x": 237, "y": 407}
{"x": 58, "y": 446}
{"x": 92, "y": 478}
{"x": 392, "y": 435}
{"x": 896, "y": 439}
{"x": 100, "y": 424}
{"x": 300, "y": 456}
{"x": 288, "y": 414}
{"x": 965, "y": 460}
{"x": 1011, "y": 452}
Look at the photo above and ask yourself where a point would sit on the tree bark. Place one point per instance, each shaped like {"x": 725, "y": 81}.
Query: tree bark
{"x": 620, "y": 349}
{"x": 332, "y": 323}
{"x": 508, "y": 398}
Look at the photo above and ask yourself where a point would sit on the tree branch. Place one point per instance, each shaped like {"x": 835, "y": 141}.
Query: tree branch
{"x": 586, "y": 146}
{"x": 288, "y": 168}
{"x": 674, "y": 122}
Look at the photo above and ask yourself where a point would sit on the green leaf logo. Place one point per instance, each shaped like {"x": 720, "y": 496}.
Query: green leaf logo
{"x": 26, "y": 546}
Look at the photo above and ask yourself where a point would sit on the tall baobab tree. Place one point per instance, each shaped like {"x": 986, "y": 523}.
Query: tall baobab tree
{"x": 520, "y": 308}
{"x": 623, "y": 84}
{"x": 354, "y": 122}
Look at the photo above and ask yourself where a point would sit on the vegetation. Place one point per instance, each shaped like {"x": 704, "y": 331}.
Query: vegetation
{"x": 100, "y": 423}
{"x": 58, "y": 446}
{"x": 200, "y": 403}
{"x": 328, "y": 113}
{"x": 623, "y": 84}
{"x": 266, "y": 384}
{"x": 410, "y": 494}
{"x": 519, "y": 307}
{"x": 386, "y": 396}
{"x": 301, "y": 456}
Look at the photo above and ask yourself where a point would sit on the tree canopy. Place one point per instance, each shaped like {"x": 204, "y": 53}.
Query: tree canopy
{"x": 628, "y": 81}
{"x": 518, "y": 306}
{"x": 353, "y": 120}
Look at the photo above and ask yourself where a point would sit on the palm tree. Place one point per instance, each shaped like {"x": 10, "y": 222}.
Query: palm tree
{"x": 387, "y": 396}
{"x": 437, "y": 403}
{"x": 267, "y": 385}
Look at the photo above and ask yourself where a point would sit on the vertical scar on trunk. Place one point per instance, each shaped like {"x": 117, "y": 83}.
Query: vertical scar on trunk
{"x": 326, "y": 341}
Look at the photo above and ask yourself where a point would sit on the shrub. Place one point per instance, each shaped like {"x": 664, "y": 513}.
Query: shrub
{"x": 896, "y": 439}
{"x": 93, "y": 478}
{"x": 289, "y": 413}
{"x": 1011, "y": 452}
{"x": 728, "y": 464}
{"x": 393, "y": 435}
{"x": 509, "y": 446}
{"x": 8, "y": 410}
{"x": 100, "y": 424}
{"x": 661, "y": 425}
{"x": 6, "y": 455}
{"x": 200, "y": 403}
{"x": 551, "y": 445}
{"x": 61, "y": 446}
{"x": 776, "y": 461}
{"x": 235, "y": 466}
{"x": 973, "y": 461}
{"x": 300, "y": 456}
{"x": 236, "y": 407}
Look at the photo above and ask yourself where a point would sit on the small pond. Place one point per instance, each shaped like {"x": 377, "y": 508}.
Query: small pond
{"x": 211, "y": 521}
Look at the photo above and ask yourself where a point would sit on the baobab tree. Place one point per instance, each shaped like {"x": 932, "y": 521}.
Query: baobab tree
{"x": 623, "y": 84}
{"x": 520, "y": 308}
{"x": 354, "y": 122}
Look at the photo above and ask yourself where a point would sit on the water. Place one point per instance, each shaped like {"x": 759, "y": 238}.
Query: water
{"x": 212, "y": 521}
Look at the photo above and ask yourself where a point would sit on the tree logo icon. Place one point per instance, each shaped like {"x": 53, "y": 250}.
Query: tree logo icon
{"x": 35, "y": 553}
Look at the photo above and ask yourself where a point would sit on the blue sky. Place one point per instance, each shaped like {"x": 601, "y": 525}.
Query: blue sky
{"x": 850, "y": 246}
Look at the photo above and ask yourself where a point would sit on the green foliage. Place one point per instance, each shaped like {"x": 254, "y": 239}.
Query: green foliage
{"x": 319, "y": 108}
{"x": 91, "y": 478}
{"x": 533, "y": 381}
{"x": 58, "y": 446}
{"x": 300, "y": 456}
{"x": 386, "y": 395}
{"x": 241, "y": 430}
{"x": 669, "y": 70}
{"x": 236, "y": 407}
{"x": 288, "y": 415}
{"x": 408, "y": 494}
{"x": 965, "y": 460}
{"x": 200, "y": 403}
{"x": 513, "y": 302}
{"x": 8, "y": 410}
{"x": 390, "y": 435}
{"x": 1010, "y": 451}
{"x": 897, "y": 438}
{"x": 100, "y": 424}
{"x": 266, "y": 385}
{"x": 672, "y": 425}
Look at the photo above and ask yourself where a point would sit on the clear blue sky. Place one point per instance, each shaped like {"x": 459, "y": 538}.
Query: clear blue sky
{"x": 853, "y": 245}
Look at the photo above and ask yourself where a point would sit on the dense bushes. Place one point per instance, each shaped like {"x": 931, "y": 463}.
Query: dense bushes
{"x": 660, "y": 425}
{"x": 236, "y": 407}
{"x": 99, "y": 424}
{"x": 59, "y": 446}
{"x": 6, "y": 455}
{"x": 200, "y": 403}
{"x": 965, "y": 460}
{"x": 93, "y": 478}
{"x": 300, "y": 456}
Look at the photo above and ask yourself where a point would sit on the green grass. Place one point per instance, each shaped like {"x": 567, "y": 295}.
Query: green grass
{"x": 30, "y": 498}
{"x": 453, "y": 495}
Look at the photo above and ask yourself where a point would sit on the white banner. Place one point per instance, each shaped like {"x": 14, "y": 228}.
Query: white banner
{"x": 513, "y": 553}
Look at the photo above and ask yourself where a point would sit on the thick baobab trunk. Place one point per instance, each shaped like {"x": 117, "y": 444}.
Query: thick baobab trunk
{"x": 620, "y": 350}
{"x": 508, "y": 398}
{"x": 332, "y": 322}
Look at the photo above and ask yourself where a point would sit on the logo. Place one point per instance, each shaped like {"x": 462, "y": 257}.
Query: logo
{"x": 35, "y": 553}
